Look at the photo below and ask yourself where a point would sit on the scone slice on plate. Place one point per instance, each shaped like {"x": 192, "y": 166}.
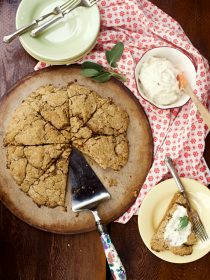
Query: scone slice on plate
{"x": 27, "y": 127}
{"x": 175, "y": 232}
{"x": 53, "y": 105}
{"x": 50, "y": 189}
{"x": 28, "y": 163}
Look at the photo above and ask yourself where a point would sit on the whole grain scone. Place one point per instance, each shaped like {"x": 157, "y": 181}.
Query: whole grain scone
{"x": 28, "y": 163}
{"x": 50, "y": 189}
{"x": 27, "y": 127}
{"x": 47, "y": 123}
{"x": 107, "y": 151}
{"x": 158, "y": 243}
{"x": 53, "y": 105}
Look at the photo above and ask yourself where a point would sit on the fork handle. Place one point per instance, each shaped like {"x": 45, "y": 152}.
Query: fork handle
{"x": 114, "y": 262}
{"x": 170, "y": 165}
{"x": 20, "y": 31}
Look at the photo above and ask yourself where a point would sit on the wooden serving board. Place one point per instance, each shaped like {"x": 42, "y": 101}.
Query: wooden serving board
{"x": 129, "y": 179}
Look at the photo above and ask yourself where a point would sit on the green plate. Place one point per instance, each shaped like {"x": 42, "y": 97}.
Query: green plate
{"x": 65, "y": 41}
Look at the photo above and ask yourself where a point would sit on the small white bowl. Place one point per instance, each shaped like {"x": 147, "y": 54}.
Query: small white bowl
{"x": 178, "y": 59}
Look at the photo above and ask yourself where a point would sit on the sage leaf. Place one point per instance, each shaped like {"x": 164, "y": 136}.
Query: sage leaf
{"x": 104, "y": 77}
{"x": 184, "y": 221}
{"x": 90, "y": 72}
{"x": 119, "y": 76}
{"x": 114, "y": 55}
{"x": 92, "y": 65}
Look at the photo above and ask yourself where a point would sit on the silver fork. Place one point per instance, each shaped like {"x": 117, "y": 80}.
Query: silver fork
{"x": 199, "y": 228}
{"x": 57, "y": 10}
{"x": 75, "y": 3}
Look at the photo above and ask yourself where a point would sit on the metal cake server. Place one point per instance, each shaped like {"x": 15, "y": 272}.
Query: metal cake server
{"x": 87, "y": 193}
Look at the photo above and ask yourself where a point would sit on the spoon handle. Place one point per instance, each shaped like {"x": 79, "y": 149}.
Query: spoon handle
{"x": 201, "y": 108}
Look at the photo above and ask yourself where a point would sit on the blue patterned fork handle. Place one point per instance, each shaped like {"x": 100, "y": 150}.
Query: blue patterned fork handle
{"x": 116, "y": 267}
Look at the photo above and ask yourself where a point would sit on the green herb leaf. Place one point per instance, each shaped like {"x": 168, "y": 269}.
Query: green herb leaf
{"x": 92, "y": 65}
{"x": 90, "y": 72}
{"x": 119, "y": 76}
{"x": 183, "y": 222}
{"x": 104, "y": 77}
{"x": 115, "y": 54}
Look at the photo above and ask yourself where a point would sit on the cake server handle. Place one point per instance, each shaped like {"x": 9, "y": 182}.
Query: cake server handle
{"x": 116, "y": 267}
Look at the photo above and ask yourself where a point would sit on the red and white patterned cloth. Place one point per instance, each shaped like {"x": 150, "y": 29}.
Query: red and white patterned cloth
{"x": 179, "y": 133}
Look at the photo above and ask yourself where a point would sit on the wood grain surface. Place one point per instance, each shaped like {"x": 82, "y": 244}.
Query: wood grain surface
{"x": 30, "y": 254}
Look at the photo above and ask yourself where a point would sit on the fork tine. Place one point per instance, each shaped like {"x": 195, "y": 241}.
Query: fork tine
{"x": 91, "y": 2}
{"x": 199, "y": 234}
{"x": 65, "y": 3}
{"x": 200, "y": 230}
{"x": 68, "y": 5}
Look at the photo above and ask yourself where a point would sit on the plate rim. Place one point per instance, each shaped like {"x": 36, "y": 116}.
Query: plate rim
{"x": 141, "y": 232}
{"x": 37, "y": 55}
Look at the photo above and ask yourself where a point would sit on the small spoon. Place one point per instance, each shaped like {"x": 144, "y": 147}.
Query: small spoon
{"x": 205, "y": 114}
{"x": 183, "y": 84}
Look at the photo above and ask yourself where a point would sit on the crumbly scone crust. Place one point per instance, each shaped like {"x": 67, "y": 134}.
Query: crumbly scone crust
{"x": 27, "y": 127}
{"x": 28, "y": 163}
{"x": 61, "y": 117}
{"x": 159, "y": 244}
{"x": 53, "y": 105}
{"x": 49, "y": 190}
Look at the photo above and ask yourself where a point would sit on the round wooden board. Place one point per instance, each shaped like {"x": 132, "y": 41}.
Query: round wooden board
{"x": 129, "y": 179}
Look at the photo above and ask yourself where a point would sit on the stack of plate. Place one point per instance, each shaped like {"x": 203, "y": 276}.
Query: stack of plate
{"x": 66, "y": 41}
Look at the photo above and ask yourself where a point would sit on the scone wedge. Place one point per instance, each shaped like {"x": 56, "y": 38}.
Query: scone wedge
{"x": 175, "y": 231}
{"x": 50, "y": 189}
{"x": 27, "y": 127}
{"x": 28, "y": 163}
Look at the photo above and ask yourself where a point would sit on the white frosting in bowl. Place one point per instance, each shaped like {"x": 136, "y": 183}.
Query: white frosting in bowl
{"x": 158, "y": 81}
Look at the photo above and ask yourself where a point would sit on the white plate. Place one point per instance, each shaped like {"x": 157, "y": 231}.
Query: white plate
{"x": 67, "y": 40}
{"x": 179, "y": 59}
{"x": 153, "y": 209}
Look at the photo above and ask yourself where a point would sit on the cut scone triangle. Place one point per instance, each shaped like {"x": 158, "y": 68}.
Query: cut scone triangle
{"x": 27, "y": 127}
{"x": 50, "y": 189}
{"x": 107, "y": 151}
{"x": 175, "y": 232}
{"x": 28, "y": 163}
{"x": 83, "y": 102}
{"x": 53, "y": 105}
{"x": 109, "y": 119}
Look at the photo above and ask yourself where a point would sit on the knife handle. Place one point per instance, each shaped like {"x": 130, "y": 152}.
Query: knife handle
{"x": 20, "y": 31}
{"x": 114, "y": 262}
{"x": 35, "y": 32}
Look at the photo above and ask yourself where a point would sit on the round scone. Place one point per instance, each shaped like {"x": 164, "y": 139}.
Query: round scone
{"x": 104, "y": 121}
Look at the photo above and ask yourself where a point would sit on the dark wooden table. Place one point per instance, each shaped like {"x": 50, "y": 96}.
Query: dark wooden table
{"x": 27, "y": 253}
